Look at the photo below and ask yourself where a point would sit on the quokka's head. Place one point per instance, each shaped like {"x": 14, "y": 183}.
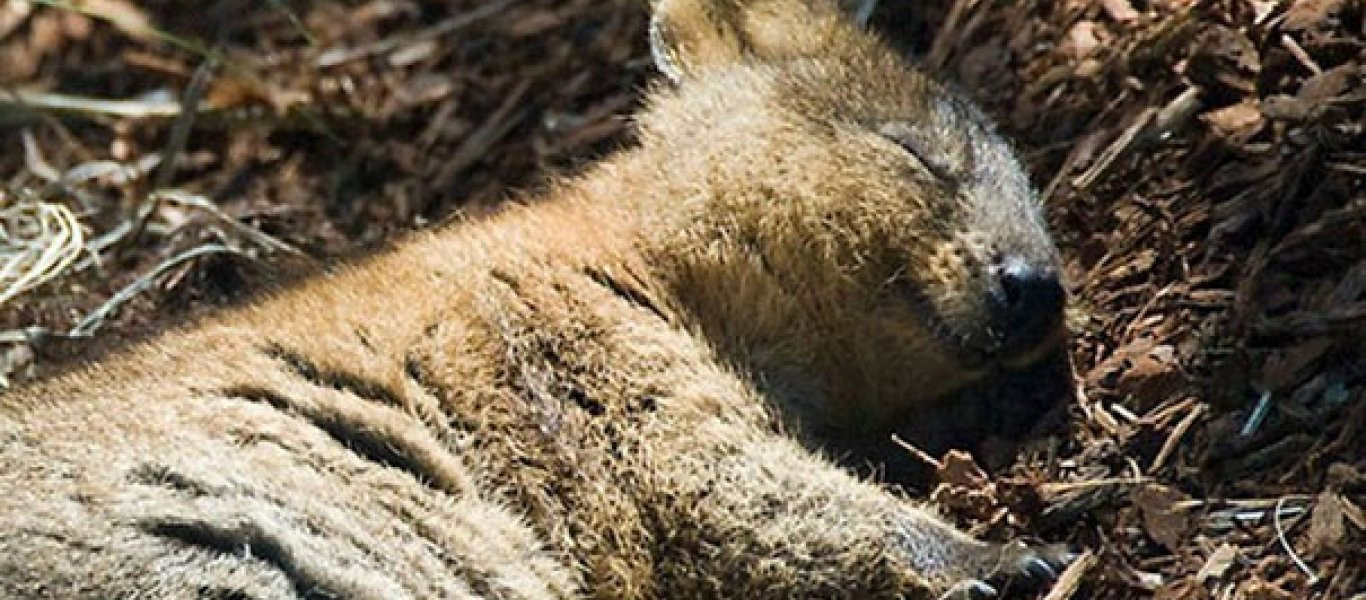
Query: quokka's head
{"x": 888, "y": 221}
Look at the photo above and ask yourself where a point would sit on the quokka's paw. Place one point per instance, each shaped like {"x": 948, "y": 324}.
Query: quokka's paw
{"x": 1040, "y": 564}
{"x": 1013, "y": 563}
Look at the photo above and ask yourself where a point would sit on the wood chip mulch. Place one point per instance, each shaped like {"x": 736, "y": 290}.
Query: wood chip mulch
{"x": 1203, "y": 164}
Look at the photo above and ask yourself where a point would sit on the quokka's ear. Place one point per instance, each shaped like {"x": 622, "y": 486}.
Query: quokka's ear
{"x": 687, "y": 36}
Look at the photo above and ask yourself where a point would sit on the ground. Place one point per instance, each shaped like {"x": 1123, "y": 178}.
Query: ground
{"x": 1202, "y": 163}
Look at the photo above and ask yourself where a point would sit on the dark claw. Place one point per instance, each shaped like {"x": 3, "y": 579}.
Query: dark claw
{"x": 1037, "y": 567}
{"x": 979, "y": 590}
{"x": 1039, "y": 564}
{"x": 972, "y": 589}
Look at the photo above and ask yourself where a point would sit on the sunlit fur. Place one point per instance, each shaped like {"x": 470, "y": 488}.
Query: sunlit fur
{"x": 623, "y": 389}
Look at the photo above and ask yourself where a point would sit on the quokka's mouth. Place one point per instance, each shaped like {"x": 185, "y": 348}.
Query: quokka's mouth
{"x": 970, "y": 350}
{"x": 989, "y": 345}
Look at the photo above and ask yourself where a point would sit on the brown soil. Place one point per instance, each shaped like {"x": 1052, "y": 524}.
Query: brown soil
{"x": 1204, "y": 165}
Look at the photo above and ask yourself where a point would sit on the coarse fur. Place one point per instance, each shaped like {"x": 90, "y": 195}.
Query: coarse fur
{"x": 626, "y": 389}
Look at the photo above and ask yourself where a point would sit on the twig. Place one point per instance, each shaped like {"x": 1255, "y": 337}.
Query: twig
{"x": 134, "y": 24}
{"x": 938, "y": 55}
{"x": 1239, "y": 503}
{"x": 184, "y": 122}
{"x": 119, "y": 173}
{"x": 1115, "y": 150}
{"x": 1071, "y": 577}
{"x": 1285, "y": 544}
{"x": 338, "y": 56}
{"x": 1152, "y": 124}
{"x": 1100, "y": 415}
{"x": 1354, "y": 169}
{"x": 18, "y": 106}
{"x": 1176, "y": 113}
{"x": 13, "y": 336}
{"x": 1178, "y": 432}
{"x": 916, "y": 452}
{"x": 1054, "y": 489}
{"x": 1123, "y": 412}
{"x": 476, "y": 144}
{"x": 175, "y": 144}
{"x": 1134, "y": 323}
{"x": 34, "y": 161}
{"x": 1297, "y": 51}
{"x": 294, "y": 21}
{"x": 130, "y": 109}
{"x": 1075, "y": 154}
{"x": 261, "y": 238}
{"x": 92, "y": 322}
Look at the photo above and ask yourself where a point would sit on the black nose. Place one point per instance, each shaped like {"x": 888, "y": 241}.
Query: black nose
{"x": 1034, "y": 299}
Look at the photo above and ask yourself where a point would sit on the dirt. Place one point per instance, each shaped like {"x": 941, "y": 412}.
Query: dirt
{"x": 1203, "y": 164}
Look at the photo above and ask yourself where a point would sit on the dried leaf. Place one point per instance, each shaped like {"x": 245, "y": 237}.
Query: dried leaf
{"x": 1225, "y": 60}
{"x": 1218, "y": 563}
{"x": 1143, "y": 369}
{"x": 1161, "y": 520}
{"x": 1328, "y": 526}
{"x": 1120, "y": 10}
{"x": 1311, "y": 14}
{"x": 1236, "y": 123}
{"x": 958, "y": 468}
{"x": 1153, "y": 374}
{"x": 1332, "y": 83}
{"x": 1082, "y": 40}
{"x": 964, "y": 487}
{"x": 1289, "y": 108}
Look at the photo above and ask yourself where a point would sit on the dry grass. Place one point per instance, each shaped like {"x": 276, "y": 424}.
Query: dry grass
{"x": 39, "y": 242}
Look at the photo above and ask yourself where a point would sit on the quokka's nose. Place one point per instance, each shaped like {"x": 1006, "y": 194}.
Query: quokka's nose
{"x": 1033, "y": 304}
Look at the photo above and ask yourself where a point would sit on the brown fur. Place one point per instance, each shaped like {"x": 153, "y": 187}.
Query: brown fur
{"x": 622, "y": 390}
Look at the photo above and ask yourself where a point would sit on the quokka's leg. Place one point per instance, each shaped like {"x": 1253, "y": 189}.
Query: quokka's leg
{"x": 752, "y": 513}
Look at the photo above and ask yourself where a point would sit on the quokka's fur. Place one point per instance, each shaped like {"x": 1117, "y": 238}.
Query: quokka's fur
{"x": 625, "y": 389}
